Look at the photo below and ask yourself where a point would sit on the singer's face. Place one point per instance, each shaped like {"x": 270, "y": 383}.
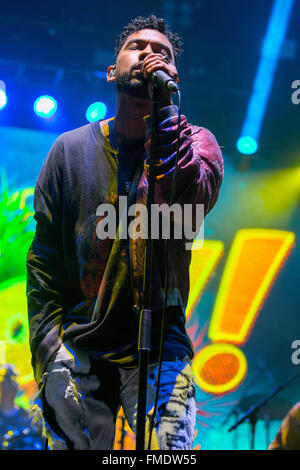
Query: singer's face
{"x": 146, "y": 44}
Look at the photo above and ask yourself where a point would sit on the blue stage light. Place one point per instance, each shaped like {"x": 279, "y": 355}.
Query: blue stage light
{"x": 45, "y": 106}
{"x": 96, "y": 111}
{"x": 3, "y": 96}
{"x": 247, "y": 145}
{"x": 270, "y": 53}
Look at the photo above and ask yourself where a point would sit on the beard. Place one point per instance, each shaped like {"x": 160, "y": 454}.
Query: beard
{"x": 135, "y": 87}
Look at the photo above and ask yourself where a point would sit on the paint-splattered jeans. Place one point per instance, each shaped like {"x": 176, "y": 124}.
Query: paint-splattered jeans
{"x": 80, "y": 397}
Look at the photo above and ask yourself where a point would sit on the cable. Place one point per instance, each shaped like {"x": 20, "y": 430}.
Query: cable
{"x": 163, "y": 322}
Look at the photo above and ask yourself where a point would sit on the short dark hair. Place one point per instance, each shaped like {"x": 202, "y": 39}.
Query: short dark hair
{"x": 152, "y": 22}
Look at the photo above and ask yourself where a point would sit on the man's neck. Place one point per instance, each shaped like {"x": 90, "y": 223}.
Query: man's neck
{"x": 130, "y": 112}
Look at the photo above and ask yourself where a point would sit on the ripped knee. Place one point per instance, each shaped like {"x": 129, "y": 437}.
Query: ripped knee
{"x": 60, "y": 385}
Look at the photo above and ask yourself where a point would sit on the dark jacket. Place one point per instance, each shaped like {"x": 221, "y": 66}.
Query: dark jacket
{"x": 75, "y": 282}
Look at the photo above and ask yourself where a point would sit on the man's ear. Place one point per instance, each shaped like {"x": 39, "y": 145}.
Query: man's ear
{"x": 110, "y": 74}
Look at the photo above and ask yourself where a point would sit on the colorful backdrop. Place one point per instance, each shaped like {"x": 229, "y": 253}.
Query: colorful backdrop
{"x": 243, "y": 306}
{"x": 239, "y": 77}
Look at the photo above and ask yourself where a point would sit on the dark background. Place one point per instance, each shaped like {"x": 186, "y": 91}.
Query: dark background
{"x": 60, "y": 48}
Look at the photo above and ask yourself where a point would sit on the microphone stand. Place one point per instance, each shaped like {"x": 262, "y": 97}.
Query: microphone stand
{"x": 251, "y": 414}
{"x": 144, "y": 343}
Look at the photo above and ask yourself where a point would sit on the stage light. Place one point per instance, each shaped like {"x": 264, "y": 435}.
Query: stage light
{"x": 45, "y": 106}
{"x": 247, "y": 145}
{"x": 270, "y": 53}
{"x": 3, "y": 97}
{"x": 96, "y": 111}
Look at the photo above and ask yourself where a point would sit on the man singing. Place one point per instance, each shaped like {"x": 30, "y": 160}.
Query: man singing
{"x": 85, "y": 292}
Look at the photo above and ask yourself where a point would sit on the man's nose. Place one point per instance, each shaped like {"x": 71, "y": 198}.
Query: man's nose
{"x": 145, "y": 52}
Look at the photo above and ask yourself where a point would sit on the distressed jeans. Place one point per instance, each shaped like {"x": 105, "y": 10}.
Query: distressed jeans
{"x": 80, "y": 397}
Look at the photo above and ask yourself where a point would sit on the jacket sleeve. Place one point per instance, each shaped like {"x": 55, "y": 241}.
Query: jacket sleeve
{"x": 200, "y": 164}
{"x": 45, "y": 265}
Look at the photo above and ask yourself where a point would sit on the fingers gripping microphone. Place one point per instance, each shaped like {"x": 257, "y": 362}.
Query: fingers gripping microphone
{"x": 162, "y": 79}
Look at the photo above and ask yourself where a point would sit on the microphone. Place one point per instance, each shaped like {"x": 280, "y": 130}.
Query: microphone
{"x": 162, "y": 79}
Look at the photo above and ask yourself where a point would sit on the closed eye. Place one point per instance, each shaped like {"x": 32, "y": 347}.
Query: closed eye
{"x": 156, "y": 47}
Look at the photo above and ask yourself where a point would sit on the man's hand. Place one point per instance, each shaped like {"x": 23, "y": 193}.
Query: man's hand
{"x": 155, "y": 62}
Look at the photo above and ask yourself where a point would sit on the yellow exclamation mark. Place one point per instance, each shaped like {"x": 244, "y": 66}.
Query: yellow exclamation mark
{"x": 203, "y": 263}
{"x": 255, "y": 259}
